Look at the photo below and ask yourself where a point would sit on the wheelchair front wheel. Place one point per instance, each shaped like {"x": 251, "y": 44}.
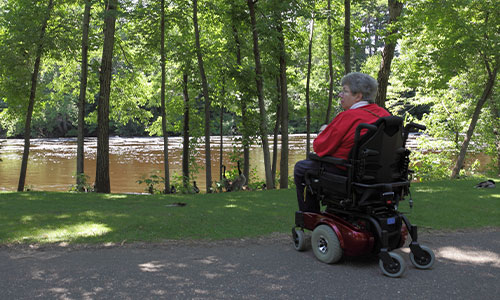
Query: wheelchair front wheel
{"x": 424, "y": 262}
{"x": 326, "y": 245}
{"x": 299, "y": 239}
{"x": 396, "y": 269}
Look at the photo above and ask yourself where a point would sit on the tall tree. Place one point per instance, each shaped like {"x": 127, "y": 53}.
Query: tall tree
{"x": 185, "y": 132}
{"x": 260, "y": 95}
{"x": 80, "y": 153}
{"x": 395, "y": 9}
{"x": 204, "y": 84}
{"x": 330, "y": 64}
{"x": 284, "y": 108}
{"x": 31, "y": 103}
{"x": 102, "y": 181}
{"x": 166, "y": 189}
{"x": 308, "y": 82}
{"x": 347, "y": 36}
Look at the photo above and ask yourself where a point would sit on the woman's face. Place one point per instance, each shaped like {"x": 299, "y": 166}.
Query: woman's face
{"x": 347, "y": 98}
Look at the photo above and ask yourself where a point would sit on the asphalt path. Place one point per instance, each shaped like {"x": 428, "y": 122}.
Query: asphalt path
{"x": 467, "y": 267}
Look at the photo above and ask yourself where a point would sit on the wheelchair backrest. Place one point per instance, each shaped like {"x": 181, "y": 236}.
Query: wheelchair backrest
{"x": 379, "y": 156}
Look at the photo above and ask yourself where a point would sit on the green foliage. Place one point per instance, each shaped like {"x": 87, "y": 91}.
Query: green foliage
{"x": 82, "y": 184}
{"x": 154, "y": 182}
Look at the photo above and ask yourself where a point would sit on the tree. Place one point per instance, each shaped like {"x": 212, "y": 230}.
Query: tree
{"x": 330, "y": 64}
{"x": 102, "y": 181}
{"x": 347, "y": 36}
{"x": 31, "y": 103}
{"x": 395, "y": 8}
{"x": 204, "y": 83}
{"x": 260, "y": 95}
{"x": 308, "y": 81}
{"x": 163, "y": 104}
{"x": 80, "y": 154}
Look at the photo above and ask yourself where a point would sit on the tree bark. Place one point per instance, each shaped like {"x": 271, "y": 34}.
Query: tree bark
{"x": 395, "y": 8}
{"x": 185, "y": 135}
{"x": 260, "y": 95}
{"x": 330, "y": 65}
{"x": 284, "y": 111}
{"x": 31, "y": 103}
{"x": 163, "y": 104}
{"x": 244, "y": 116}
{"x": 308, "y": 80}
{"x": 208, "y": 164}
{"x": 80, "y": 153}
{"x": 347, "y": 36}
{"x": 102, "y": 181}
{"x": 276, "y": 131}
{"x": 488, "y": 89}
{"x": 221, "y": 131}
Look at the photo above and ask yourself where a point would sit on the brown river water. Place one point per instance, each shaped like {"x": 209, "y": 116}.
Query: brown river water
{"x": 52, "y": 162}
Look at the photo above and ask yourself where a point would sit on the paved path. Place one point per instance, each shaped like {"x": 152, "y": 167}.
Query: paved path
{"x": 467, "y": 267}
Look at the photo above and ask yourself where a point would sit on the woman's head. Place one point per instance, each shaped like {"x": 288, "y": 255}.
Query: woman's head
{"x": 361, "y": 83}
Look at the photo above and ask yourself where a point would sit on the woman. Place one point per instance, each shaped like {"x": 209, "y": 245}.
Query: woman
{"x": 358, "y": 101}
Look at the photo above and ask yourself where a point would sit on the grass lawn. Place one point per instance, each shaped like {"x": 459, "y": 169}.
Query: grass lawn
{"x": 48, "y": 217}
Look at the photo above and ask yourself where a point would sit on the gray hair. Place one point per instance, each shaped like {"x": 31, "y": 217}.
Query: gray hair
{"x": 361, "y": 83}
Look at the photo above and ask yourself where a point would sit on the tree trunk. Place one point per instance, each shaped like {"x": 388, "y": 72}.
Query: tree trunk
{"x": 276, "y": 131}
{"x": 31, "y": 103}
{"x": 244, "y": 116}
{"x": 284, "y": 111}
{"x": 102, "y": 182}
{"x": 80, "y": 153}
{"x": 260, "y": 95}
{"x": 166, "y": 170}
{"x": 330, "y": 65}
{"x": 347, "y": 36}
{"x": 488, "y": 89}
{"x": 496, "y": 129}
{"x": 208, "y": 164}
{"x": 221, "y": 132}
{"x": 308, "y": 80}
{"x": 185, "y": 135}
{"x": 395, "y": 8}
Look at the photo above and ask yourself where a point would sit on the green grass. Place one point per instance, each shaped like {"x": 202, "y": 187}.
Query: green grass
{"x": 50, "y": 217}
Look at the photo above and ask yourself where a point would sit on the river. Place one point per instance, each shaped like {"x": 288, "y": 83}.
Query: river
{"x": 52, "y": 162}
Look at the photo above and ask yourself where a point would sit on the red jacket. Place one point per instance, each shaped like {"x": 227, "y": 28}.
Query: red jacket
{"x": 338, "y": 137}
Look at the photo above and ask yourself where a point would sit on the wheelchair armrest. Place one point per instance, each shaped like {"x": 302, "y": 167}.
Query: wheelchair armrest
{"x": 328, "y": 159}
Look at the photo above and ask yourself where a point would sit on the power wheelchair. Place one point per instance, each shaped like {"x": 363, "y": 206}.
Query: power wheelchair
{"x": 361, "y": 216}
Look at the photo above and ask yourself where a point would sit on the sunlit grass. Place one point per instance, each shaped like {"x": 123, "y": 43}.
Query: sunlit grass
{"x": 49, "y": 217}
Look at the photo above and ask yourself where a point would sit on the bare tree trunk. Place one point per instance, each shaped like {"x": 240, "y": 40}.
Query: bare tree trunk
{"x": 31, "y": 103}
{"x": 276, "y": 131}
{"x": 166, "y": 170}
{"x": 260, "y": 95}
{"x": 395, "y": 8}
{"x": 308, "y": 105}
{"x": 221, "y": 132}
{"x": 347, "y": 36}
{"x": 208, "y": 164}
{"x": 488, "y": 89}
{"x": 244, "y": 116}
{"x": 330, "y": 65}
{"x": 80, "y": 150}
{"x": 284, "y": 111}
{"x": 496, "y": 129}
{"x": 185, "y": 143}
{"x": 102, "y": 182}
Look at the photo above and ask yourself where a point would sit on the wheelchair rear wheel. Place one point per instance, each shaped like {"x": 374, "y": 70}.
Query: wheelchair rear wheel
{"x": 326, "y": 245}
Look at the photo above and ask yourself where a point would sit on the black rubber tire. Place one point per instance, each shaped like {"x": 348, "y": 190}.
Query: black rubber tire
{"x": 399, "y": 268}
{"x": 299, "y": 239}
{"x": 326, "y": 245}
{"x": 423, "y": 262}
